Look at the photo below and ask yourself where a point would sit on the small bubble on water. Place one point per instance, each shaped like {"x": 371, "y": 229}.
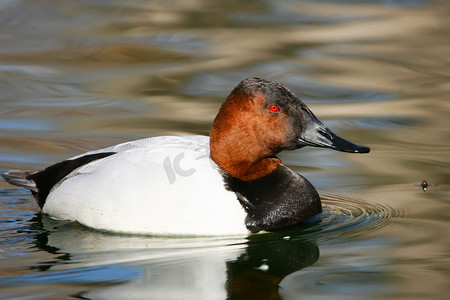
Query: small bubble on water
{"x": 264, "y": 267}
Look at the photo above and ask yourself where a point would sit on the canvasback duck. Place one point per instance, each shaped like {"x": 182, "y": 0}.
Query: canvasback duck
{"x": 228, "y": 183}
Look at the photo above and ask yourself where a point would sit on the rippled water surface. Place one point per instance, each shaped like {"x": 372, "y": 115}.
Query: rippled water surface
{"x": 80, "y": 75}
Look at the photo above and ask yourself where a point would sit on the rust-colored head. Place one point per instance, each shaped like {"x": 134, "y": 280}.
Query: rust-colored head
{"x": 258, "y": 120}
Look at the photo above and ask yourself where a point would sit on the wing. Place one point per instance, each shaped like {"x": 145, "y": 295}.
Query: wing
{"x": 164, "y": 185}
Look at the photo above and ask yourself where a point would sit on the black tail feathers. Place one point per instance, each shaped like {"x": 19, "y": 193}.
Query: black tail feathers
{"x": 20, "y": 178}
{"x": 40, "y": 183}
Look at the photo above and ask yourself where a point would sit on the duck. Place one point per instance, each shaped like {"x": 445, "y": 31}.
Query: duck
{"x": 229, "y": 183}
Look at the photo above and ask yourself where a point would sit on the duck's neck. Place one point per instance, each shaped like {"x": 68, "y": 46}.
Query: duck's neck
{"x": 245, "y": 169}
{"x": 236, "y": 145}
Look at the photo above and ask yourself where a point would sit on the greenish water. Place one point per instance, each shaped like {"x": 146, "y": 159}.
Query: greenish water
{"x": 77, "y": 76}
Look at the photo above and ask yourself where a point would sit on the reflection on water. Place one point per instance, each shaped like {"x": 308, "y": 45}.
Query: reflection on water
{"x": 135, "y": 267}
{"x": 159, "y": 267}
{"x": 245, "y": 265}
{"x": 84, "y": 75}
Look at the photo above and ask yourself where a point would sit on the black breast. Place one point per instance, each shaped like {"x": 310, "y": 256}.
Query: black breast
{"x": 280, "y": 199}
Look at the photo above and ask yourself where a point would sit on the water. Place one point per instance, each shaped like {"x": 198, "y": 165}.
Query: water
{"x": 77, "y": 76}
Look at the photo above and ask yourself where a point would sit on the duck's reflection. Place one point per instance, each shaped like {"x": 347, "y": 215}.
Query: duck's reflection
{"x": 175, "y": 268}
{"x": 267, "y": 259}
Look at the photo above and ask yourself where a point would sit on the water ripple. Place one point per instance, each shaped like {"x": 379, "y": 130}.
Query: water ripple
{"x": 350, "y": 216}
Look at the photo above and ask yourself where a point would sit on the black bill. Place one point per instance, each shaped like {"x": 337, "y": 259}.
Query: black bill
{"x": 318, "y": 135}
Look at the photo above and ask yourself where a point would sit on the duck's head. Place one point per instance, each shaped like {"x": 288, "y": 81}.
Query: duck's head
{"x": 259, "y": 119}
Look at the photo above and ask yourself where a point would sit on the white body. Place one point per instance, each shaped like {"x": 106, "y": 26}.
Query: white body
{"x": 161, "y": 185}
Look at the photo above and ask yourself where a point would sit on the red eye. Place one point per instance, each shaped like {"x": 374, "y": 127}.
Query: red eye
{"x": 274, "y": 108}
